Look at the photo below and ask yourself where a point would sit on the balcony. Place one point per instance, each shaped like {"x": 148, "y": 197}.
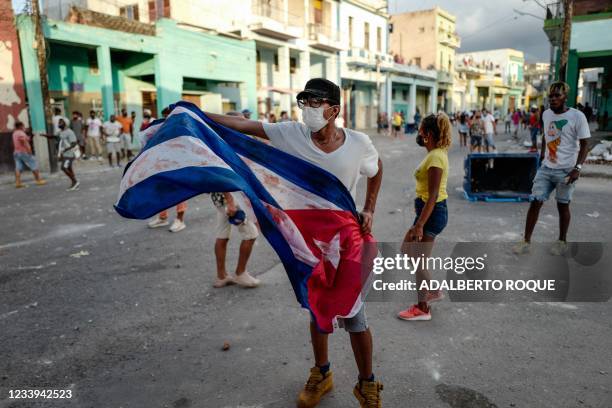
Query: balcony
{"x": 449, "y": 39}
{"x": 444, "y": 77}
{"x": 270, "y": 19}
{"x": 324, "y": 38}
{"x": 359, "y": 57}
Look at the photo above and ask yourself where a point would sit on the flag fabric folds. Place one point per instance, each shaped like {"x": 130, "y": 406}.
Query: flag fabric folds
{"x": 306, "y": 214}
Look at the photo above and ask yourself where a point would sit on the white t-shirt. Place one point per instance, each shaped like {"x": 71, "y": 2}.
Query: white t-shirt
{"x": 112, "y": 131}
{"x": 562, "y": 134}
{"x": 93, "y": 127}
{"x": 356, "y": 157}
{"x": 489, "y": 122}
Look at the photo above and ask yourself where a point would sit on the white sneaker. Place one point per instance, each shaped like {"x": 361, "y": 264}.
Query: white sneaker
{"x": 158, "y": 222}
{"x": 558, "y": 248}
{"x": 74, "y": 187}
{"x": 99, "y": 158}
{"x": 219, "y": 283}
{"x": 246, "y": 281}
{"x": 522, "y": 247}
{"x": 177, "y": 226}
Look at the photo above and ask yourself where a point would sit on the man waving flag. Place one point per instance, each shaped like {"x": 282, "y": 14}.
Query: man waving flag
{"x": 301, "y": 190}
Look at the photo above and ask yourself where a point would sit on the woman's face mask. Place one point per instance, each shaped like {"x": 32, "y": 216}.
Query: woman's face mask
{"x": 313, "y": 118}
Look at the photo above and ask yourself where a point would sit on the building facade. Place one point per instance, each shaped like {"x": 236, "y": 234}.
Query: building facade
{"x": 590, "y": 47}
{"x": 427, "y": 39}
{"x": 536, "y": 83}
{"x": 493, "y": 79}
{"x": 114, "y": 64}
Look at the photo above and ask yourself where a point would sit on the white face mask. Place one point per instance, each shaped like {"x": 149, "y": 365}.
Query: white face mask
{"x": 313, "y": 118}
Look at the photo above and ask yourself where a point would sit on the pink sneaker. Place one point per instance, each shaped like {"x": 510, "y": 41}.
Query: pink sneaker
{"x": 434, "y": 296}
{"x": 413, "y": 313}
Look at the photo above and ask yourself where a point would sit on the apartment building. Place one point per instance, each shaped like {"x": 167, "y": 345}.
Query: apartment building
{"x": 427, "y": 39}
{"x": 536, "y": 81}
{"x": 493, "y": 79}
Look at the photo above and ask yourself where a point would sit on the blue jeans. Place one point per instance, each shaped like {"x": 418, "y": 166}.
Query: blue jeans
{"x": 437, "y": 220}
{"x": 546, "y": 180}
{"x": 23, "y": 160}
{"x": 534, "y": 137}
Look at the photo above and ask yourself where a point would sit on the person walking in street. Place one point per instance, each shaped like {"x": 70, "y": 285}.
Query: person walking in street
{"x": 67, "y": 143}
{"x": 22, "y": 154}
{"x": 347, "y": 154}
{"x": 127, "y": 130}
{"x": 516, "y": 123}
{"x": 508, "y": 121}
{"x": 430, "y": 206}
{"x": 564, "y": 149}
{"x": 397, "y": 124}
{"x": 463, "y": 130}
{"x": 476, "y": 132}
{"x": 111, "y": 130}
{"x": 490, "y": 130}
{"x": 228, "y": 214}
{"x": 77, "y": 126}
{"x": 94, "y": 132}
{"x": 534, "y": 129}
{"x": 57, "y": 115}
{"x": 417, "y": 118}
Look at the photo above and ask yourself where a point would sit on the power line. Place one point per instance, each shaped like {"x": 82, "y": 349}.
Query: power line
{"x": 494, "y": 23}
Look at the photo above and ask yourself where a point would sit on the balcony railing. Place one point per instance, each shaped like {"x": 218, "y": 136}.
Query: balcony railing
{"x": 315, "y": 30}
{"x": 275, "y": 10}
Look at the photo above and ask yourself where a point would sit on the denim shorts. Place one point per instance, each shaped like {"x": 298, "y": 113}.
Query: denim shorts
{"x": 489, "y": 142}
{"x": 23, "y": 160}
{"x": 437, "y": 220}
{"x": 546, "y": 180}
{"x": 475, "y": 140}
{"x": 355, "y": 324}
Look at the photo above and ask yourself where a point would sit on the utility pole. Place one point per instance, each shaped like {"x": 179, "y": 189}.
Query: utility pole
{"x": 568, "y": 9}
{"x": 41, "y": 56}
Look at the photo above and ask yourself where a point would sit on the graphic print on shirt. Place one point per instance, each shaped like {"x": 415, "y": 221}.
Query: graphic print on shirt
{"x": 553, "y": 138}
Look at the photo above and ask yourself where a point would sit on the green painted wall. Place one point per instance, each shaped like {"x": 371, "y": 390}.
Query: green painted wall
{"x": 173, "y": 53}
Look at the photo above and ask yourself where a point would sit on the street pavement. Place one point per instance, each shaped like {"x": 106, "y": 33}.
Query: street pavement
{"x": 125, "y": 316}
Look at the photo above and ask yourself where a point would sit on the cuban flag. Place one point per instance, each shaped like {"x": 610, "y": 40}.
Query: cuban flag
{"x": 306, "y": 214}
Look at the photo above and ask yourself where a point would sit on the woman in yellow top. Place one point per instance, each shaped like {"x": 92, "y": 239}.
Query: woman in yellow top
{"x": 430, "y": 205}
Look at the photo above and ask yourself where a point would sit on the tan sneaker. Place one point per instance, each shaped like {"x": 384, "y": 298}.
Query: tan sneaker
{"x": 41, "y": 182}
{"x": 558, "y": 248}
{"x": 316, "y": 387}
{"x": 521, "y": 248}
{"x": 368, "y": 394}
{"x": 20, "y": 185}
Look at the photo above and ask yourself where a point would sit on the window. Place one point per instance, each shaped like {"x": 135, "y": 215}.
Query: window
{"x": 393, "y": 94}
{"x": 275, "y": 62}
{"x": 421, "y": 29}
{"x": 441, "y": 64}
{"x": 318, "y": 11}
{"x": 378, "y": 39}
{"x": 350, "y": 32}
{"x": 417, "y": 61}
{"x": 292, "y": 65}
{"x": 130, "y": 12}
{"x": 405, "y": 94}
{"x": 366, "y": 36}
{"x": 159, "y": 9}
{"x": 92, "y": 61}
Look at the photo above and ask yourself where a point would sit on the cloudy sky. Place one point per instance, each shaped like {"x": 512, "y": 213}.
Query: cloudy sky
{"x": 484, "y": 25}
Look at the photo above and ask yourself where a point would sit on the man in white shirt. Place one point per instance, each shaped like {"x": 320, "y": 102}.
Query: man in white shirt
{"x": 490, "y": 129}
{"x": 94, "y": 125}
{"x": 111, "y": 135}
{"x": 347, "y": 154}
{"x": 564, "y": 149}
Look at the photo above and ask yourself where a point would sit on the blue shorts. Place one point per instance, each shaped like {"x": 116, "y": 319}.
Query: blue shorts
{"x": 23, "y": 160}
{"x": 437, "y": 220}
{"x": 546, "y": 180}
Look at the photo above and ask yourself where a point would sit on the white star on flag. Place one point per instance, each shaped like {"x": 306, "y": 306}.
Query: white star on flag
{"x": 330, "y": 250}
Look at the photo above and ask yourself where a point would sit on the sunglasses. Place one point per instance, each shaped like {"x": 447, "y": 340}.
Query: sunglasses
{"x": 312, "y": 102}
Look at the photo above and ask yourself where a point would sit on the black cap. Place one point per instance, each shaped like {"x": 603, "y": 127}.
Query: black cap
{"x": 321, "y": 88}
